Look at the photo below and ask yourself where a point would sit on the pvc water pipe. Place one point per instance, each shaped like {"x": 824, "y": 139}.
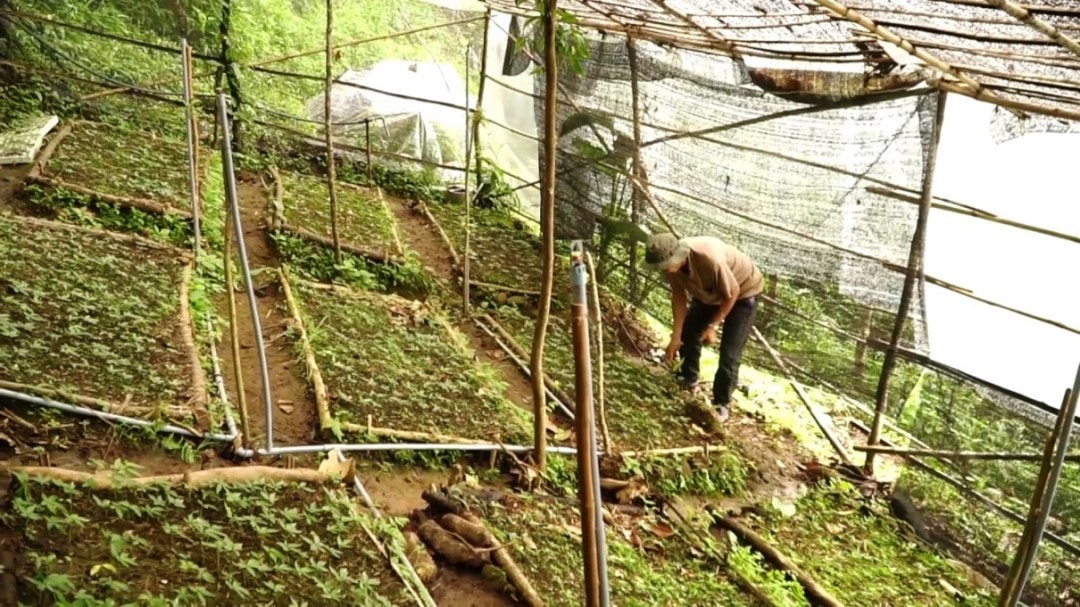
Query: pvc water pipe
{"x": 219, "y": 382}
{"x": 234, "y": 207}
{"x": 112, "y": 417}
{"x": 362, "y": 447}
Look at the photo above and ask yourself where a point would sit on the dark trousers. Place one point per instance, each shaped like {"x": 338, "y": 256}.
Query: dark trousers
{"x": 736, "y": 330}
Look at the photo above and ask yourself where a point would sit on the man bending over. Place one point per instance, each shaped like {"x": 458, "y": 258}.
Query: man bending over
{"x": 720, "y": 283}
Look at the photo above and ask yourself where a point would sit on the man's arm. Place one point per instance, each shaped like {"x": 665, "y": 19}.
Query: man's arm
{"x": 678, "y": 310}
{"x": 725, "y": 280}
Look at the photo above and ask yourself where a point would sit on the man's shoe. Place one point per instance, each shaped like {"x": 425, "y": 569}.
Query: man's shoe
{"x": 723, "y": 412}
{"x": 690, "y": 385}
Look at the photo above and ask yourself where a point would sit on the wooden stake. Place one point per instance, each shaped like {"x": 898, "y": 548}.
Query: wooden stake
{"x": 598, "y": 329}
{"x": 331, "y": 164}
{"x": 199, "y": 394}
{"x": 814, "y": 591}
{"x": 479, "y": 114}
{"x": 914, "y": 270}
{"x": 234, "y": 337}
{"x": 47, "y": 152}
{"x": 468, "y": 198}
{"x": 547, "y": 230}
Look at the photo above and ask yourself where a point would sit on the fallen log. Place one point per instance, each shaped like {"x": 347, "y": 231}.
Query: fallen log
{"x": 474, "y": 532}
{"x": 450, "y": 547}
{"x": 369, "y": 254}
{"x": 814, "y": 591}
{"x": 441, "y": 503}
{"x": 418, "y": 555}
{"x": 142, "y": 204}
{"x": 198, "y": 478}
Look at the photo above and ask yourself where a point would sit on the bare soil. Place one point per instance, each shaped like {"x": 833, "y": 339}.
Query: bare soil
{"x": 11, "y": 180}
{"x": 294, "y": 412}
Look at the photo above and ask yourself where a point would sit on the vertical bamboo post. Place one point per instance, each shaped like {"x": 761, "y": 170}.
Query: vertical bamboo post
{"x": 914, "y": 269}
{"x": 465, "y": 295}
{"x": 636, "y": 192}
{"x": 367, "y": 151}
{"x": 598, "y": 329}
{"x": 331, "y": 166}
{"x": 234, "y": 337}
{"x": 866, "y": 318}
{"x": 593, "y": 542}
{"x": 228, "y": 69}
{"x": 1046, "y": 501}
{"x": 547, "y": 229}
{"x": 478, "y": 115}
{"x": 192, "y": 146}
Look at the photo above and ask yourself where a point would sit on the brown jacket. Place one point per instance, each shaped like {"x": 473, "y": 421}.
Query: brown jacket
{"x": 715, "y": 271}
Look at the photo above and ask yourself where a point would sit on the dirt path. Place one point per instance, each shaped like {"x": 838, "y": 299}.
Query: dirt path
{"x": 294, "y": 409}
{"x": 11, "y": 179}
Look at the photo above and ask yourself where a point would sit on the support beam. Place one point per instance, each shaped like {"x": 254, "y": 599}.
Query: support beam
{"x": 1023, "y": 15}
{"x": 914, "y": 271}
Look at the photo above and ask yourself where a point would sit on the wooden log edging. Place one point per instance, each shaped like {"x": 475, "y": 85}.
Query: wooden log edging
{"x": 369, "y": 254}
{"x": 442, "y": 234}
{"x": 549, "y": 383}
{"x": 473, "y": 530}
{"x": 183, "y": 255}
{"x": 393, "y": 221}
{"x": 170, "y": 412}
{"x": 141, "y": 204}
{"x": 198, "y": 478}
{"x": 200, "y": 399}
{"x": 47, "y": 152}
{"x": 814, "y": 591}
{"x": 322, "y": 398}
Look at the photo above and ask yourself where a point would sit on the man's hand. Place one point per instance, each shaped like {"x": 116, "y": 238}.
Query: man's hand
{"x": 672, "y": 349}
{"x": 709, "y": 336}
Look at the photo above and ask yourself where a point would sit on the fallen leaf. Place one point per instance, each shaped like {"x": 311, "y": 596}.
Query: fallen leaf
{"x": 657, "y": 528}
{"x": 287, "y": 409}
{"x": 497, "y": 354}
{"x": 333, "y": 466}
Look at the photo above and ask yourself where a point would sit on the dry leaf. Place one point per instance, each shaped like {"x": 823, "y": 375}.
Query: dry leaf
{"x": 634, "y": 489}
{"x": 333, "y": 466}
{"x": 287, "y": 409}
{"x": 497, "y": 354}
{"x": 657, "y": 528}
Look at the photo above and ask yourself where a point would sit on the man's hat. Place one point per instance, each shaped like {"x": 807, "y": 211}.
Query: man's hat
{"x": 665, "y": 250}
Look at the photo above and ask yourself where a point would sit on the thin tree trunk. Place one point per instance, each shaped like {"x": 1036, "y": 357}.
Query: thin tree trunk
{"x": 331, "y": 166}
{"x": 547, "y": 227}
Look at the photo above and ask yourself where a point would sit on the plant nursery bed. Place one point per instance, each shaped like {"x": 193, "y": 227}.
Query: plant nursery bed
{"x": 89, "y": 316}
{"x": 400, "y": 364}
{"x": 129, "y": 166}
{"x": 363, "y": 218}
{"x": 265, "y": 542}
{"x": 857, "y": 551}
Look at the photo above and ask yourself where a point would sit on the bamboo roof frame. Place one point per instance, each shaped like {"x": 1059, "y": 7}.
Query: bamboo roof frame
{"x": 1040, "y": 54}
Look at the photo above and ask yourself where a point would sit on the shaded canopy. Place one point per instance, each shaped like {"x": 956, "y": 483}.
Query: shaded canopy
{"x": 1026, "y": 58}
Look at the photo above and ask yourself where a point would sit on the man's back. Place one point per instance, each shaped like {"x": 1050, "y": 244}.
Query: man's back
{"x": 706, "y": 280}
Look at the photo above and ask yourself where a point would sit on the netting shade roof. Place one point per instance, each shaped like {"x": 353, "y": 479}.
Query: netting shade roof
{"x": 974, "y": 47}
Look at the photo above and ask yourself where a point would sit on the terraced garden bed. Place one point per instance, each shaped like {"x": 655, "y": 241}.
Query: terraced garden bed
{"x": 98, "y": 316}
{"x": 399, "y": 362}
{"x": 502, "y": 250}
{"x": 263, "y": 542}
{"x": 119, "y": 165}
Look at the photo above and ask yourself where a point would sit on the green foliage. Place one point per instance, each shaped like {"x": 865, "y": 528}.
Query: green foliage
{"x": 100, "y": 314}
{"x": 363, "y": 218}
{"x": 396, "y": 360}
{"x": 166, "y": 545}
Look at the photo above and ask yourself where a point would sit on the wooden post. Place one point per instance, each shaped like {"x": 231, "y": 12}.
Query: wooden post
{"x": 331, "y": 166}
{"x": 914, "y": 269}
{"x": 635, "y": 170}
{"x": 866, "y": 319}
{"x": 465, "y": 265}
{"x": 547, "y": 229}
{"x": 234, "y": 335}
{"x": 478, "y": 115}
{"x": 598, "y": 329}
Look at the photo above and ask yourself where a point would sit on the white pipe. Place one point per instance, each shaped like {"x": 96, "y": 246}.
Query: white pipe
{"x": 343, "y": 447}
{"x": 219, "y": 382}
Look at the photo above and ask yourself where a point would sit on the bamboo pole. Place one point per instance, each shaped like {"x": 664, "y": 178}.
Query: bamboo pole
{"x": 322, "y": 396}
{"x": 547, "y": 229}
{"x": 199, "y": 392}
{"x": 637, "y": 168}
{"x": 234, "y": 336}
{"x": 182, "y": 255}
{"x": 598, "y": 329}
{"x": 465, "y": 267}
{"x": 331, "y": 162}
{"x": 960, "y": 455}
{"x": 408, "y": 435}
{"x": 1040, "y": 512}
{"x": 914, "y": 270}
{"x": 479, "y": 114}
{"x": 546, "y": 380}
{"x": 142, "y": 204}
{"x": 805, "y": 398}
{"x": 442, "y": 234}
